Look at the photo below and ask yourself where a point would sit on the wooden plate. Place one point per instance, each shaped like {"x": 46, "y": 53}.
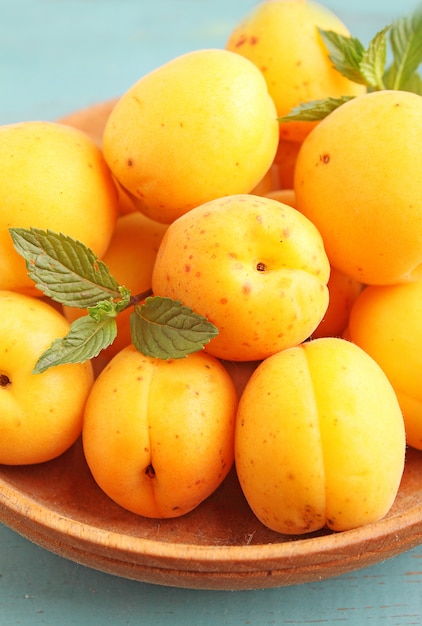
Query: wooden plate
{"x": 220, "y": 545}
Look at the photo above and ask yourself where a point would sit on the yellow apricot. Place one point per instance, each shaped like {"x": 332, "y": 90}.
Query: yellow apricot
{"x": 254, "y": 267}
{"x": 386, "y": 321}
{"x": 281, "y": 38}
{"x": 52, "y": 176}
{"x": 130, "y": 258}
{"x": 158, "y": 435}
{"x": 199, "y": 127}
{"x": 319, "y": 439}
{"x": 357, "y": 179}
{"x": 41, "y": 414}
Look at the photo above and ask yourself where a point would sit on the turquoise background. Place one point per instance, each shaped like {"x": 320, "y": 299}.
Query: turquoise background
{"x": 57, "y": 56}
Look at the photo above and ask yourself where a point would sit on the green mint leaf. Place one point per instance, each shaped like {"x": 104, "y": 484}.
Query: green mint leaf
{"x": 345, "y": 54}
{"x": 315, "y": 110}
{"x": 414, "y": 84}
{"x": 166, "y": 329}
{"x": 64, "y": 269}
{"x": 374, "y": 59}
{"x": 85, "y": 340}
{"x": 110, "y": 308}
{"x": 406, "y": 46}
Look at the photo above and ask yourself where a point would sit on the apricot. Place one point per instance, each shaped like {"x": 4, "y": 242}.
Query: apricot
{"x": 343, "y": 291}
{"x": 130, "y": 258}
{"x": 281, "y": 38}
{"x": 196, "y": 128}
{"x": 52, "y": 176}
{"x": 357, "y": 179}
{"x": 158, "y": 435}
{"x": 41, "y": 414}
{"x": 254, "y": 267}
{"x": 285, "y": 162}
{"x": 386, "y": 321}
{"x": 319, "y": 439}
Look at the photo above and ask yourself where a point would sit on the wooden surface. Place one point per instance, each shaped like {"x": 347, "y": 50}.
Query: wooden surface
{"x": 57, "y": 57}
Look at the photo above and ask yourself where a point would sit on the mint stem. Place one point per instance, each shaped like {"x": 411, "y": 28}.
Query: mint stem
{"x": 134, "y": 300}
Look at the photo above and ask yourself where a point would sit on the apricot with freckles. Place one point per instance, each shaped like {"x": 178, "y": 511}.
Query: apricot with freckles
{"x": 281, "y": 38}
{"x": 319, "y": 439}
{"x": 256, "y": 268}
{"x": 158, "y": 435}
{"x": 357, "y": 178}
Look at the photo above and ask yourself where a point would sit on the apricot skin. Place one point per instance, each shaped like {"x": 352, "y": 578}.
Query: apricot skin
{"x": 158, "y": 435}
{"x": 386, "y": 321}
{"x": 254, "y": 267}
{"x": 281, "y": 38}
{"x": 357, "y": 179}
{"x": 41, "y": 414}
{"x": 51, "y": 176}
{"x": 130, "y": 258}
{"x": 196, "y": 128}
{"x": 319, "y": 439}
{"x": 343, "y": 292}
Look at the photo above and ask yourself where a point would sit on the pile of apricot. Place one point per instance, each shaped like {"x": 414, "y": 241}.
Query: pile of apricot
{"x": 300, "y": 241}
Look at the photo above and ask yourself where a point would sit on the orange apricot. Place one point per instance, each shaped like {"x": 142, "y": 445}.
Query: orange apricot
{"x": 158, "y": 435}
{"x": 386, "y": 321}
{"x": 130, "y": 258}
{"x": 357, "y": 179}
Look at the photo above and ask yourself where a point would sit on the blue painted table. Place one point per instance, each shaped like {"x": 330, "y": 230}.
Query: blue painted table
{"x": 60, "y": 55}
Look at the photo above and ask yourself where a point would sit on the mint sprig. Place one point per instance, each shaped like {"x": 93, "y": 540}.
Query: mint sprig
{"x": 70, "y": 273}
{"x": 400, "y": 41}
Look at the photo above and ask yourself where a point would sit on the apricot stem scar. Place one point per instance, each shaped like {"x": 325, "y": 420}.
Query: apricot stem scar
{"x": 4, "y": 380}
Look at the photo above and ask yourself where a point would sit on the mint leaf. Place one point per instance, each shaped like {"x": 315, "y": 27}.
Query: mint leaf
{"x": 166, "y": 329}
{"x": 110, "y": 308}
{"x": 414, "y": 84}
{"x": 345, "y": 54}
{"x": 64, "y": 269}
{"x": 372, "y": 64}
{"x": 406, "y": 46}
{"x": 315, "y": 110}
{"x": 85, "y": 340}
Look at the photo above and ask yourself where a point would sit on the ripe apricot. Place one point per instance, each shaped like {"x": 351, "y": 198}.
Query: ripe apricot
{"x": 281, "y": 38}
{"x": 357, "y": 179}
{"x": 319, "y": 439}
{"x": 130, "y": 258}
{"x": 52, "y": 176}
{"x": 254, "y": 267}
{"x": 285, "y": 162}
{"x": 343, "y": 291}
{"x": 386, "y": 321}
{"x": 196, "y": 128}
{"x": 158, "y": 435}
{"x": 41, "y": 414}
